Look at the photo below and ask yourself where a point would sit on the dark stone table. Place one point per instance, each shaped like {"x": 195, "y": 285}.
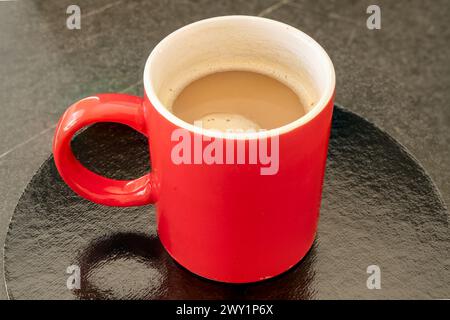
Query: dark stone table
{"x": 396, "y": 77}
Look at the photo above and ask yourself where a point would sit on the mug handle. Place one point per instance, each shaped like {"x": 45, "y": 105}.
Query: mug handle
{"x": 120, "y": 108}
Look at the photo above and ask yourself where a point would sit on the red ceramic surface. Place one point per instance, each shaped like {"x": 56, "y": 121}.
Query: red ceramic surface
{"x": 210, "y": 217}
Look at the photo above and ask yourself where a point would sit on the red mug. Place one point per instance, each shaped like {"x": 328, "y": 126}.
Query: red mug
{"x": 225, "y": 221}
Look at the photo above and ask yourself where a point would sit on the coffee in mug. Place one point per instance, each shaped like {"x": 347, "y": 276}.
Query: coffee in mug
{"x": 240, "y": 100}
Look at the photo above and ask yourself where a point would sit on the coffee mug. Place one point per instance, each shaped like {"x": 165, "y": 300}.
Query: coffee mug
{"x": 225, "y": 221}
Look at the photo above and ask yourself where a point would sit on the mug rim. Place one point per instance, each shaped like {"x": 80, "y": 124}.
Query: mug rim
{"x": 319, "y": 106}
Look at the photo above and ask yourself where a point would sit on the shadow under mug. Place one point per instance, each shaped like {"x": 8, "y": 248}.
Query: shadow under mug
{"x": 226, "y": 220}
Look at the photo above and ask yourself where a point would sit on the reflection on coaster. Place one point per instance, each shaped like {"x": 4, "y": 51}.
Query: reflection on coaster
{"x": 379, "y": 208}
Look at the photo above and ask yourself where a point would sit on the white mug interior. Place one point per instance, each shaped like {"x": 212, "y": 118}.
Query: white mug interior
{"x": 239, "y": 43}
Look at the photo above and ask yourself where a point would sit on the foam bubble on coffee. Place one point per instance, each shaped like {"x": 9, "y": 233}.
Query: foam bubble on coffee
{"x": 226, "y": 122}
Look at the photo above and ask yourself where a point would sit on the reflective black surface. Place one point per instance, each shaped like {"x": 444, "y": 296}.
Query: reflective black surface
{"x": 379, "y": 208}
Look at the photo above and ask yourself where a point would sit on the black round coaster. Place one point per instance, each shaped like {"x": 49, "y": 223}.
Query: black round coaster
{"x": 379, "y": 208}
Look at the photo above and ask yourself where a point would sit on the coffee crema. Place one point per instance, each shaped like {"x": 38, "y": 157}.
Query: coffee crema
{"x": 238, "y": 100}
